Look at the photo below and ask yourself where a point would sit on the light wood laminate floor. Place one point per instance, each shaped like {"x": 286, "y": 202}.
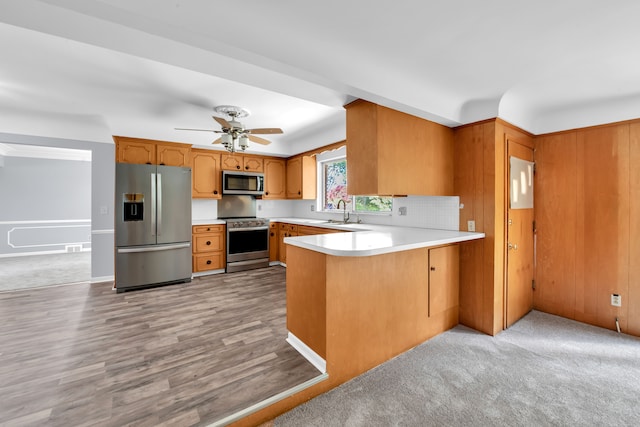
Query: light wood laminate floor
{"x": 177, "y": 355}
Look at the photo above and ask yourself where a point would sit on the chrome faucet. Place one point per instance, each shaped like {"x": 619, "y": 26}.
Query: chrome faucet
{"x": 345, "y": 214}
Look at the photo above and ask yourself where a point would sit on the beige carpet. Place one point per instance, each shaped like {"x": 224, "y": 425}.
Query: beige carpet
{"x": 543, "y": 371}
{"x": 44, "y": 270}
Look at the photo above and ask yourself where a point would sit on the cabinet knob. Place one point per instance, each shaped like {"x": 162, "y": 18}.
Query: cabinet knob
{"x": 433, "y": 268}
{"x": 148, "y": 163}
{"x": 215, "y": 191}
{"x": 208, "y": 242}
{"x": 208, "y": 229}
{"x": 208, "y": 262}
{"x": 272, "y": 234}
{"x": 238, "y": 167}
{"x": 266, "y": 193}
{"x": 246, "y": 167}
{"x": 298, "y": 193}
{"x": 161, "y": 164}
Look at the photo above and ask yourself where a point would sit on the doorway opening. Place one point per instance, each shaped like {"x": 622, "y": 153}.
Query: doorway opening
{"x": 45, "y": 217}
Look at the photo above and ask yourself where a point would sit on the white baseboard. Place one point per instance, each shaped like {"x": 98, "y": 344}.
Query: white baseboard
{"x": 306, "y": 352}
{"x": 207, "y": 273}
{"x": 102, "y": 279}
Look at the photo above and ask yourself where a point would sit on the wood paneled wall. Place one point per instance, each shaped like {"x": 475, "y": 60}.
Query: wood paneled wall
{"x": 587, "y": 215}
{"x": 480, "y": 181}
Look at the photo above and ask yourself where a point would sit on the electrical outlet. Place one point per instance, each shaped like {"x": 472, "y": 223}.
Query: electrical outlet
{"x": 402, "y": 211}
{"x": 616, "y": 300}
{"x": 313, "y": 208}
{"x": 471, "y": 226}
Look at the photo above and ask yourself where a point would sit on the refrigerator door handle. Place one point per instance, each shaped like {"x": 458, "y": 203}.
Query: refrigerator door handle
{"x": 153, "y": 204}
{"x": 154, "y": 248}
{"x": 159, "y": 195}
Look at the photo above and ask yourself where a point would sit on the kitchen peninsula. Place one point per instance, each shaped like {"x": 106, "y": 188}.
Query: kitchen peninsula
{"x": 355, "y": 300}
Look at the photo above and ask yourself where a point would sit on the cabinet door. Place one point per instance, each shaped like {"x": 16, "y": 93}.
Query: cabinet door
{"x": 135, "y": 151}
{"x": 285, "y": 230}
{"x": 274, "y": 243}
{"x": 443, "y": 279}
{"x": 274, "y": 179}
{"x": 173, "y": 155}
{"x": 231, "y": 162}
{"x": 252, "y": 164}
{"x": 294, "y": 178}
{"x": 206, "y": 174}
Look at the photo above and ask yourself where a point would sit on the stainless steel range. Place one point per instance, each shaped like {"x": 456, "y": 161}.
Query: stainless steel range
{"x": 247, "y": 236}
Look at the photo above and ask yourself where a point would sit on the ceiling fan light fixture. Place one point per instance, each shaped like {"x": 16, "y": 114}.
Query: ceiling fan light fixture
{"x": 227, "y": 141}
{"x": 243, "y": 142}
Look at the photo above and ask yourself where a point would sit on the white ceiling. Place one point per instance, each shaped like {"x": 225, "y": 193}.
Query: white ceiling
{"x": 89, "y": 69}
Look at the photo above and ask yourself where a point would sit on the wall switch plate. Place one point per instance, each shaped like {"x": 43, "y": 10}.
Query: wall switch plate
{"x": 471, "y": 225}
{"x": 616, "y": 300}
{"x": 402, "y": 210}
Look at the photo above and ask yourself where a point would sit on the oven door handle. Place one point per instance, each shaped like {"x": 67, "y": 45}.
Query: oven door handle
{"x": 231, "y": 230}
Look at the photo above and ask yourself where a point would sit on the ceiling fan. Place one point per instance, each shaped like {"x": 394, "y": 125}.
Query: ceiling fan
{"x": 233, "y": 131}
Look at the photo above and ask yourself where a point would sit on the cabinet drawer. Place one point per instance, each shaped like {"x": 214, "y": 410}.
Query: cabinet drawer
{"x": 207, "y": 242}
{"x": 208, "y": 261}
{"x": 289, "y": 227}
{"x": 211, "y": 228}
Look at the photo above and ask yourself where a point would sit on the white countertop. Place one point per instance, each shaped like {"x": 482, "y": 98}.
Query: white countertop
{"x": 207, "y": 221}
{"x": 370, "y": 239}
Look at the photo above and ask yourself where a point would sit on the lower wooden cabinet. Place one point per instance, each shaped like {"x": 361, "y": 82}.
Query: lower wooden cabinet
{"x": 285, "y": 230}
{"x": 208, "y": 247}
{"x": 443, "y": 279}
{"x": 273, "y": 242}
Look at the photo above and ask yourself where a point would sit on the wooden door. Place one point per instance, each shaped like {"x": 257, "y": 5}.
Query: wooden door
{"x": 253, "y": 164}
{"x": 294, "y": 178}
{"x": 520, "y": 243}
{"x": 173, "y": 155}
{"x": 274, "y": 243}
{"x": 130, "y": 150}
{"x": 231, "y": 161}
{"x": 274, "y": 179}
{"x": 206, "y": 174}
{"x": 444, "y": 267}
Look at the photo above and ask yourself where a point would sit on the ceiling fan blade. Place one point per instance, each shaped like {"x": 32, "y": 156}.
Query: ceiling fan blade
{"x": 199, "y": 130}
{"x": 265, "y": 130}
{"x": 222, "y": 122}
{"x": 217, "y": 141}
{"x": 258, "y": 140}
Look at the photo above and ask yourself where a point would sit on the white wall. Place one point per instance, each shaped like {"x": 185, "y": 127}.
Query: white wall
{"x": 46, "y": 205}
{"x": 102, "y": 196}
{"x": 422, "y": 211}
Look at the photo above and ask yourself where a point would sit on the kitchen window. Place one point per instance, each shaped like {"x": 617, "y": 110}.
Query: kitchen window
{"x": 334, "y": 189}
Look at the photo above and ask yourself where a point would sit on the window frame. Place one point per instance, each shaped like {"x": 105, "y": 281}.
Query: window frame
{"x": 351, "y": 202}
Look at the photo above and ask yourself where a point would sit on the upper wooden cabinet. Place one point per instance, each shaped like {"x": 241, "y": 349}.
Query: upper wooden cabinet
{"x": 150, "y": 152}
{"x": 274, "y": 179}
{"x": 205, "y": 174}
{"x": 393, "y": 153}
{"x": 301, "y": 177}
{"x": 240, "y": 162}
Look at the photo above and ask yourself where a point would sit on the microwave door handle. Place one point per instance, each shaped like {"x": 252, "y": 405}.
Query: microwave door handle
{"x": 159, "y": 195}
{"x": 153, "y": 204}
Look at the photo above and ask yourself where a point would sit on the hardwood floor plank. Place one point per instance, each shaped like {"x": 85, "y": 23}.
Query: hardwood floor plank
{"x": 185, "y": 354}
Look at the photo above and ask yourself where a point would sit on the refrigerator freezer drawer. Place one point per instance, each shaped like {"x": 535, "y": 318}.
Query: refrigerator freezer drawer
{"x": 139, "y": 266}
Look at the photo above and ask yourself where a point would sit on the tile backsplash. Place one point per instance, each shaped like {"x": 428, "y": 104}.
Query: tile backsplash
{"x": 421, "y": 211}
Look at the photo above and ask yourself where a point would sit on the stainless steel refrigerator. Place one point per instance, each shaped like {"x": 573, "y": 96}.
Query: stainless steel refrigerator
{"x": 153, "y": 225}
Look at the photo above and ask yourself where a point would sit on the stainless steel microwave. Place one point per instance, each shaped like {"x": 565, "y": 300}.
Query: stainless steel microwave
{"x": 251, "y": 183}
